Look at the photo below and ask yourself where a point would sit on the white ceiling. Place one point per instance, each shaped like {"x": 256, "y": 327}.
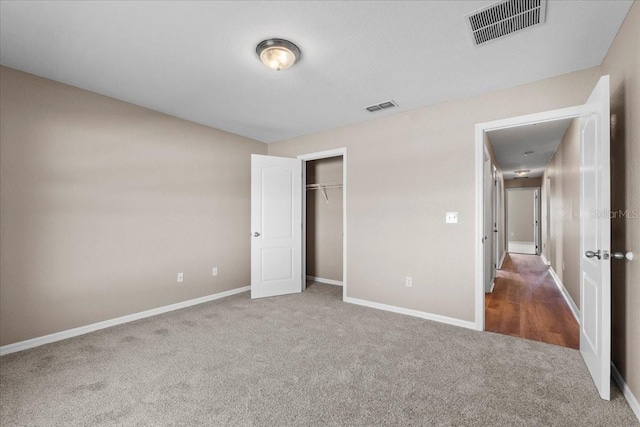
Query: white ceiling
{"x": 197, "y": 60}
{"x": 511, "y": 144}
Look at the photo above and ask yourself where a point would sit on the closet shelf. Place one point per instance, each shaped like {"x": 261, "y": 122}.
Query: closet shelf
{"x": 323, "y": 187}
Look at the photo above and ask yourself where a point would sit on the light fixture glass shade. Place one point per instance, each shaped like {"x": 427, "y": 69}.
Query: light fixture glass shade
{"x": 278, "y": 54}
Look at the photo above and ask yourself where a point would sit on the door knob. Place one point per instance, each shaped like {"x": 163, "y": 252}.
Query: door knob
{"x": 256, "y": 234}
{"x": 623, "y": 255}
{"x": 591, "y": 254}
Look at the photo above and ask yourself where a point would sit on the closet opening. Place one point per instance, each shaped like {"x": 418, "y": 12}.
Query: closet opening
{"x": 324, "y": 218}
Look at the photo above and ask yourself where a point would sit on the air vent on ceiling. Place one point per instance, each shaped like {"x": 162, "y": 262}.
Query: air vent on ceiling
{"x": 505, "y": 17}
{"x": 382, "y": 106}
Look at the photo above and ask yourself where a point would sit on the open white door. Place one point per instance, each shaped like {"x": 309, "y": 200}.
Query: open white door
{"x": 276, "y": 226}
{"x": 488, "y": 223}
{"x": 595, "y": 239}
{"x": 496, "y": 216}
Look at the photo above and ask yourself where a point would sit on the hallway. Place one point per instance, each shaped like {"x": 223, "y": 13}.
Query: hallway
{"x": 526, "y": 303}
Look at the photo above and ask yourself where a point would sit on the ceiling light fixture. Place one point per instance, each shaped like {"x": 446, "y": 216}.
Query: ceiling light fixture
{"x": 522, "y": 172}
{"x": 278, "y": 54}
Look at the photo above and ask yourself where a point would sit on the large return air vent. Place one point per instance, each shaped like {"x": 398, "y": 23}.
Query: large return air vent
{"x": 505, "y": 17}
{"x": 382, "y": 106}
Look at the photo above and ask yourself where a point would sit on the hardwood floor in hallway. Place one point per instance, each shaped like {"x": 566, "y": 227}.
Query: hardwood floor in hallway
{"x": 526, "y": 303}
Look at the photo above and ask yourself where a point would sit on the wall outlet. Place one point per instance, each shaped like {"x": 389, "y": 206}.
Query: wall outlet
{"x": 451, "y": 218}
{"x": 180, "y": 277}
{"x": 408, "y": 282}
{"x": 214, "y": 271}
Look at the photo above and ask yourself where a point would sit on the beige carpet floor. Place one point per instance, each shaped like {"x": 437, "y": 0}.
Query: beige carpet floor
{"x": 306, "y": 359}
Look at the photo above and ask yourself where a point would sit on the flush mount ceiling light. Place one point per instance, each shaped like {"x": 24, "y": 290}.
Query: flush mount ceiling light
{"x": 522, "y": 172}
{"x": 278, "y": 54}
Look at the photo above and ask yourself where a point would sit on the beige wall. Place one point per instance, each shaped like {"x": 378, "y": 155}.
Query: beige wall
{"x": 561, "y": 245}
{"x": 104, "y": 202}
{"x": 520, "y": 215}
{"x": 324, "y": 220}
{"x": 622, "y": 63}
{"x": 522, "y": 182}
{"x": 404, "y": 172}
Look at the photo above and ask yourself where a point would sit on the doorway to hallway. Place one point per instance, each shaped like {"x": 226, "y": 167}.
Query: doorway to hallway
{"x": 527, "y": 303}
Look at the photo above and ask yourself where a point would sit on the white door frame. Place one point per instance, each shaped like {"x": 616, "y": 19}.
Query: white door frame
{"x": 488, "y": 208}
{"x": 536, "y": 221}
{"x": 316, "y": 156}
{"x": 480, "y": 129}
{"x": 496, "y": 223}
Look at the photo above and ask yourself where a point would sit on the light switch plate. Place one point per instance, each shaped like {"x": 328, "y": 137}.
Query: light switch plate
{"x": 451, "y": 218}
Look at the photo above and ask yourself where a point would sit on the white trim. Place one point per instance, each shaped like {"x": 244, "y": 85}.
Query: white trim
{"x": 414, "y": 313}
{"x": 544, "y": 259}
{"x": 325, "y": 281}
{"x": 493, "y": 284}
{"x": 486, "y": 178}
{"x": 626, "y": 391}
{"x": 479, "y": 229}
{"x": 565, "y": 294}
{"x": 69, "y": 333}
{"x": 519, "y": 246}
{"x": 495, "y": 228}
{"x": 541, "y": 117}
{"x": 323, "y": 155}
{"x": 480, "y": 130}
{"x": 528, "y": 248}
{"x": 303, "y": 190}
{"x": 504, "y": 255}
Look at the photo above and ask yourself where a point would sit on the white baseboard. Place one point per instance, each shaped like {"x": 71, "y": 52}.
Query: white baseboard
{"x": 522, "y": 247}
{"x": 626, "y": 391}
{"x": 544, "y": 259}
{"x": 325, "y": 281}
{"x": 414, "y": 313}
{"x": 35, "y": 342}
{"x": 493, "y": 284}
{"x": 565, "y": 294}
{"x": 504, "y": 255}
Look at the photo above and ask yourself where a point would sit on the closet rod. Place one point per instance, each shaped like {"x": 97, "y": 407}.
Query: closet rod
{"x": 323, "y": 185}
{"x": 323, "y": 188}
